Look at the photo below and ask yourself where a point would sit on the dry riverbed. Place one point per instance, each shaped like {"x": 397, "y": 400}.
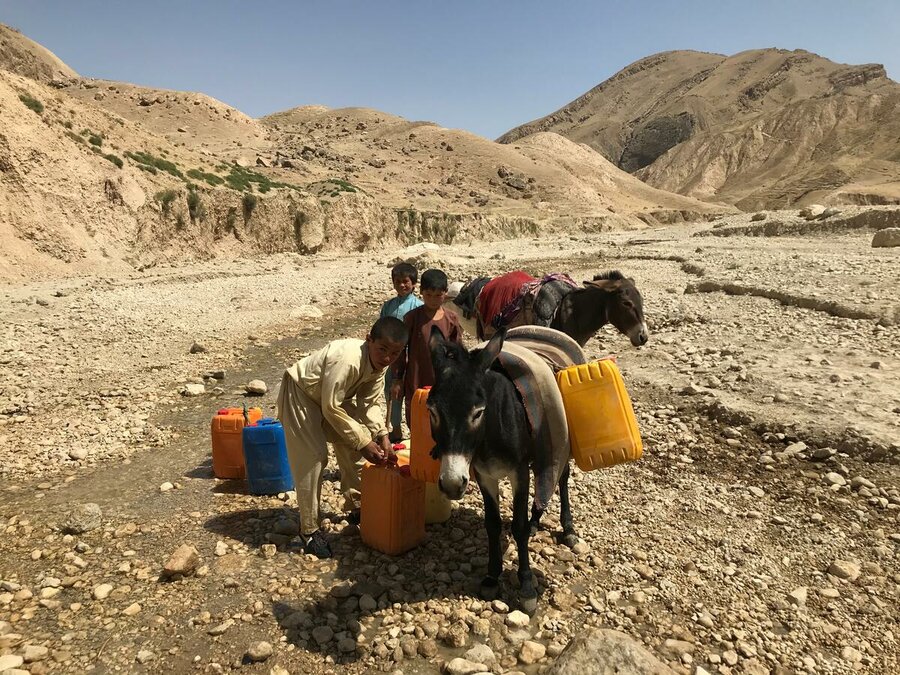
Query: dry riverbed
{"x": 759, "y": 532}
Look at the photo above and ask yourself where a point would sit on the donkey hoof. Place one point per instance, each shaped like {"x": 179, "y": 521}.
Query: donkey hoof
{"x": 528, "y": 605}
{"x": 490, "y": 588}
{"x": 571, "y": 539}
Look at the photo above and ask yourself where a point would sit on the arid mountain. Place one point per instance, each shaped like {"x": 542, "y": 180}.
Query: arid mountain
{"x": 99, "y": 173}
{"x": 765, "y": 127}
{"x": 25, "y": 57}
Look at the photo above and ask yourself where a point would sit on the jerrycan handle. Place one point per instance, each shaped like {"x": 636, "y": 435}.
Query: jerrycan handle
{"x": 246, "y": 416}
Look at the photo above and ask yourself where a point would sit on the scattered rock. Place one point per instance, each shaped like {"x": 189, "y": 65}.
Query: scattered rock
{"x": 184, "y": 561}
{"x": 843, "y": 569}
{"x": 83, "y": 518}
{"x": 197, "y": 348}
{"x": 889, "y": 237}
{"x": 517, "y": 619}
{"x": 531, "y": 652}
{"x": 259, "y": 651}
{"x": 193, "y": 389}
{"x": 256, "y": 387}
{"x": 616, "y": 651}
{"x": 459, "y": 666}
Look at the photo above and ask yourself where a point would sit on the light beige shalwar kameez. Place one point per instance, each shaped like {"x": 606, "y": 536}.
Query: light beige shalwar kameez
{"x": 333, "y": 394}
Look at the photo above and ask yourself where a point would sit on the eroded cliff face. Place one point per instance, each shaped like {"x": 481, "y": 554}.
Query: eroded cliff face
{"x": 763, "y": 128}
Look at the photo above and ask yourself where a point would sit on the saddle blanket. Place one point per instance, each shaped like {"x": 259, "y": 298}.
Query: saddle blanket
{"x": 530, "y": 357}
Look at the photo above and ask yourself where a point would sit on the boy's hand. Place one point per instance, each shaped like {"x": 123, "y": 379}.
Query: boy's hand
{"x": 373, "y": 453}
{"x": 396, "y": 389}
{"x": 390, "y": 457}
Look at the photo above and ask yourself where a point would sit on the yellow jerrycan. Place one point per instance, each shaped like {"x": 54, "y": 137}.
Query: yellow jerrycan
{"x": 603, "y": 430}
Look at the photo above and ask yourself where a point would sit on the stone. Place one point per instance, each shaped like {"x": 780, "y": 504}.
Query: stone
{"x": 132, "y": 609}
{"x": 10, "y": 661}
{"x": 759, "y": 215}
{"x": 306, "y": 312}
{"x": 322, "y": 634}
{"x": 184, "y": 561}
{"x": 102, "y": 591}
{"x": 165, "y": 487}
{"x": 843, "y": 569}
{"x": 259, "y": 651}
{"x": 517, "y": 619}
{"x": 83, "y": 518}
{"x": 78, "y": 454}
{"x": 33, "y": 653}
{"x": 616, "y": 651}
{"x": 367, "y": 603}
{"x": 889, "y": 237}
{"x": 197, "y": 348}
{"x": 193, "y": 389}
{"x": 221, "y": 548}
{"x": 481, "y": 654}
{"x": 220, "y": 628}
{"x": 460, "y": 666}
{"x": 833, "y": 478}
{"x": 256, "y": 387}
{"x": 144, "y": 656}
{"x": 798, "y": 596}
{"x": 531, "y": 652}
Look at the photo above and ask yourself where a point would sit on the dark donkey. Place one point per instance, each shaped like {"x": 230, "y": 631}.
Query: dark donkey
{"x": 609, "y": 297}
{"x": 478, "y": 421}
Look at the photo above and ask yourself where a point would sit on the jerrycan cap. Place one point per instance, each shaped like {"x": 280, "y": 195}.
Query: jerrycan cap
{"x": 427, "y": 387}
{"x": 223, "y": 411}
{"x": 267, "y": 421}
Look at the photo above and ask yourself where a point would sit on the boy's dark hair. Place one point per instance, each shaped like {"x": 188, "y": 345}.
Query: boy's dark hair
{"x": 404, "y": 269}
{"x": 434, "y": 280}
{"x": 389, "y": 328}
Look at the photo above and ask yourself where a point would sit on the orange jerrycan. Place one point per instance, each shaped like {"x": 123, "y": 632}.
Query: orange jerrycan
{"x": 227, "y": 441}
{"x": 392, "y": 509}
{"x": 421, "y": 465}
{"x": 603, "y": 429}
{"x": 437, "y": 506}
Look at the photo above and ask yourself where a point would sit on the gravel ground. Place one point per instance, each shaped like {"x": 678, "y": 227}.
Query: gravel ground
{"x": 759, "y": 533}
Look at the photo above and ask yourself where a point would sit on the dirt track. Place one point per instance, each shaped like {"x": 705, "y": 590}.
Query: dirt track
{"x": 771, "y": 452}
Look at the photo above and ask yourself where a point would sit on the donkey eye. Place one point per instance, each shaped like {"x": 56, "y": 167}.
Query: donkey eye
{"x": 627, "y": 303}
{"x": 477, "y": 413}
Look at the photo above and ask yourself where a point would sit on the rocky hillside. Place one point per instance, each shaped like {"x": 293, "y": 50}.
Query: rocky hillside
{"x": 764, "y": 127}
{"x": 109, "y": 174}
{"x": 25, "y": 57}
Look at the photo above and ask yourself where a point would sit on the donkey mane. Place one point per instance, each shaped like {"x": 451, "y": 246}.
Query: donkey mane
{"x": 612, "y": 275}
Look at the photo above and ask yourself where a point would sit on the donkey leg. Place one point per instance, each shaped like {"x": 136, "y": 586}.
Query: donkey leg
{"x": 570, "y": 536}
{"x": 521, "y": 530}
{"x": 490, "y": 493}
{"x": 535, "y": 522}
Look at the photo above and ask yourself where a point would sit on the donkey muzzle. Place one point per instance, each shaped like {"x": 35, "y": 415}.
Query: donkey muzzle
{"x": 454, "y": 476}
{"x": 639, "y": 335}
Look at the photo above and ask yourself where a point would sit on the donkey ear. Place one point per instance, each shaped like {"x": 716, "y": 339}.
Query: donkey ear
{"x": 437, "y": 343}
{"x": 491, "y": 350}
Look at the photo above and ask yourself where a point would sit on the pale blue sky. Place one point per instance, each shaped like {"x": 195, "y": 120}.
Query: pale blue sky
{"x": 482, "y": 66}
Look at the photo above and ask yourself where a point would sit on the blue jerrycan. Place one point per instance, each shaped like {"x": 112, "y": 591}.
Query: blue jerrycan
{"x": 265, "y": 456}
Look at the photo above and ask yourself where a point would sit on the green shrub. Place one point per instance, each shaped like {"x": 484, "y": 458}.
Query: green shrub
{"x": 67, "y": 124}
{"x": 94, "y": 139}
{"x": 146, "y": 159}
{"x": 32, "y": 103}
{"x": 249, "y": 201}
{"x": 242, "y": 180}
{"x": 75, "y": 137}
{"x": 114, "y": 159}
{"x": 210, "y": 178}
{"x": 165, "y": 198}
{"x": 148, "y": 169}
{"x": 195, "y": 206}
{"x": 231, "y": 219}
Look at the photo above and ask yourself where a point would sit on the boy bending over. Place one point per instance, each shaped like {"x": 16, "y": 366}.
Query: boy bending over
{"x": 334, "y": 394}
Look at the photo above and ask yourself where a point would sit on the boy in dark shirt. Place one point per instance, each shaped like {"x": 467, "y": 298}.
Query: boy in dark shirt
{"x": 413, "y": 370}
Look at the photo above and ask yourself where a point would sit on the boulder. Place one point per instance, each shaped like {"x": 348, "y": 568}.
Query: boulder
{"x": 83, "y": 518}
{"x": 184, "y": 561}
{"x": 601, "y": 651}
{"x": 889, "y": 237}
